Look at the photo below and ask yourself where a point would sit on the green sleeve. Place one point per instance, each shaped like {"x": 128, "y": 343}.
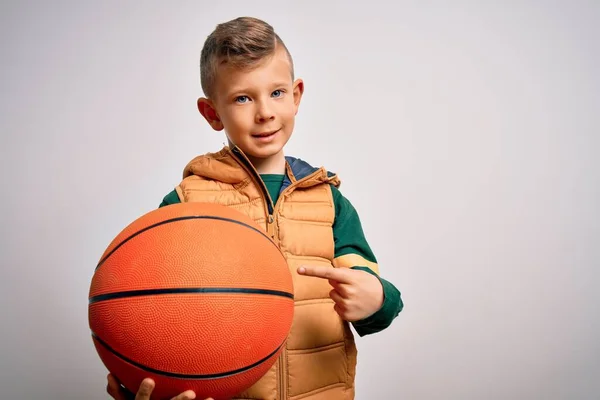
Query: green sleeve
{"x": 391, "y": 307}
{"x": 347, "y": 230}
{"x": 171, "y": 198}
{"x": 350, "y": 239}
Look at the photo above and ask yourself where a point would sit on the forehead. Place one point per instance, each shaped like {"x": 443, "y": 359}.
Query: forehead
{"x": 274, "y": 69}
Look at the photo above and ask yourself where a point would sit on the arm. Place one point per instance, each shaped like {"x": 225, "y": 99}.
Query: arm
{"x": 353, "y": 251}
{"x": 171, "y": 198}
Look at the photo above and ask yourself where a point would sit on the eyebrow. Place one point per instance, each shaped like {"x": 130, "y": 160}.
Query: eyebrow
{"x": 246, "y": 90}
{"x": 278, "y": 84}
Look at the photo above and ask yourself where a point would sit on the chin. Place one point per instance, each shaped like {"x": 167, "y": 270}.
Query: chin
{"x": 262, "y": 154}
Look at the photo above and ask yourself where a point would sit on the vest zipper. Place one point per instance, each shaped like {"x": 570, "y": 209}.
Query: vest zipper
{"x": 259, "y": 182}
{"x": 282, "y": 360}
{"x": 271, "y": 208}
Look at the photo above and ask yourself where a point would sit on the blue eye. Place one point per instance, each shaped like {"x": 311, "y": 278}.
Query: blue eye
{"x": 241, "y": 99}
{"x": 277, "y": 93}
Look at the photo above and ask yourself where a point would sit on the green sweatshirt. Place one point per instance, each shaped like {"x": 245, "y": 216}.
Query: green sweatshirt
{"x": 349, "y": 238}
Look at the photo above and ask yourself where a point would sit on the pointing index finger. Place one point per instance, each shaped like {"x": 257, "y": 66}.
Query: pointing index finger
{"x": 336, "y": 274}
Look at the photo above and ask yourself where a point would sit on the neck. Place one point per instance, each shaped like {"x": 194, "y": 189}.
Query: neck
{"x": 271, "y": 165}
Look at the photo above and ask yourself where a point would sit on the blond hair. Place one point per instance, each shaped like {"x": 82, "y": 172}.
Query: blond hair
{"x": 242, "y": 43}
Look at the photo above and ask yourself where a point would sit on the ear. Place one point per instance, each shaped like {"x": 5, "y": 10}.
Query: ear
{"x": 208, "y": 111}
{"x": 298, "y": 90}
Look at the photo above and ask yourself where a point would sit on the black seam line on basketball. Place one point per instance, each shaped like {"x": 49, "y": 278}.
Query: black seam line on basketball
{"x": 152, "y": 292}
{"x": 181, "y": 219}
{"x": 184, "y": 376}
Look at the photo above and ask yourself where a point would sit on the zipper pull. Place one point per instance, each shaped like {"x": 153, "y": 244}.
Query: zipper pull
{"x": 270, "y": 227}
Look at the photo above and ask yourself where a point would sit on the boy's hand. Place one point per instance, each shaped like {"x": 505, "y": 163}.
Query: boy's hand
{"x": 357, "y": 294}
{"x": 117, "y": 392}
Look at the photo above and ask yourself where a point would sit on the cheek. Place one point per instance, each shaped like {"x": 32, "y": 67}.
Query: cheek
{"x": 238, "y": 119}
{"x": 288, "y": 111}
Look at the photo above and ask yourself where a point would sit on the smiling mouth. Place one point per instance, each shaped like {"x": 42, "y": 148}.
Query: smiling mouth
{"x": 265, "y": 134}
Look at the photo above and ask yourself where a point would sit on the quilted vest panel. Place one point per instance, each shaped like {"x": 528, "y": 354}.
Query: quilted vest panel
{"x": 319, "y": 360}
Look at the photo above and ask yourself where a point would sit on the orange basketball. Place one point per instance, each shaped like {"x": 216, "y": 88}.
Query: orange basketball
{"x": 193, "y": 295}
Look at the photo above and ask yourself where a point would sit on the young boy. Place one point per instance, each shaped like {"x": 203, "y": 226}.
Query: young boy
{"x": 247, "y": 76}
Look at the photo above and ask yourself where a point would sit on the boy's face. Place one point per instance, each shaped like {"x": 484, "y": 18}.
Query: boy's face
{"x": 256, "y": 107}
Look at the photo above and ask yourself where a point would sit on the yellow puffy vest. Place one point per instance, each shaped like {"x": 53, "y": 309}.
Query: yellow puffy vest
{"x": 319, "y": 359}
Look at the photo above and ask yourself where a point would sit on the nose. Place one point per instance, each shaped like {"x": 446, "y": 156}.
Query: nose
{"x": 264, "y": 112}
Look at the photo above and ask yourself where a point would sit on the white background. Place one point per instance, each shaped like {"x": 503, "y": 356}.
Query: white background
{"x": 466, "y": 135}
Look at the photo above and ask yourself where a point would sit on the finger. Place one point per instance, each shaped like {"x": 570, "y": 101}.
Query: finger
{"x": 341, "y": 275}
{"x": 335, "y": 284}
{"x": 337, "y": 297}
{"x": 187, "y": 395}
{"x": 339, "y": 310}
{"x": 145, "y": 389}
{"x": 113, "y": 388}
{"x": 346, "y": 290}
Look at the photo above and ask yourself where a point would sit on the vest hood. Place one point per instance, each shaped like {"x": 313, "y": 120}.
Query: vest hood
{"x": 226, "y": 166}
